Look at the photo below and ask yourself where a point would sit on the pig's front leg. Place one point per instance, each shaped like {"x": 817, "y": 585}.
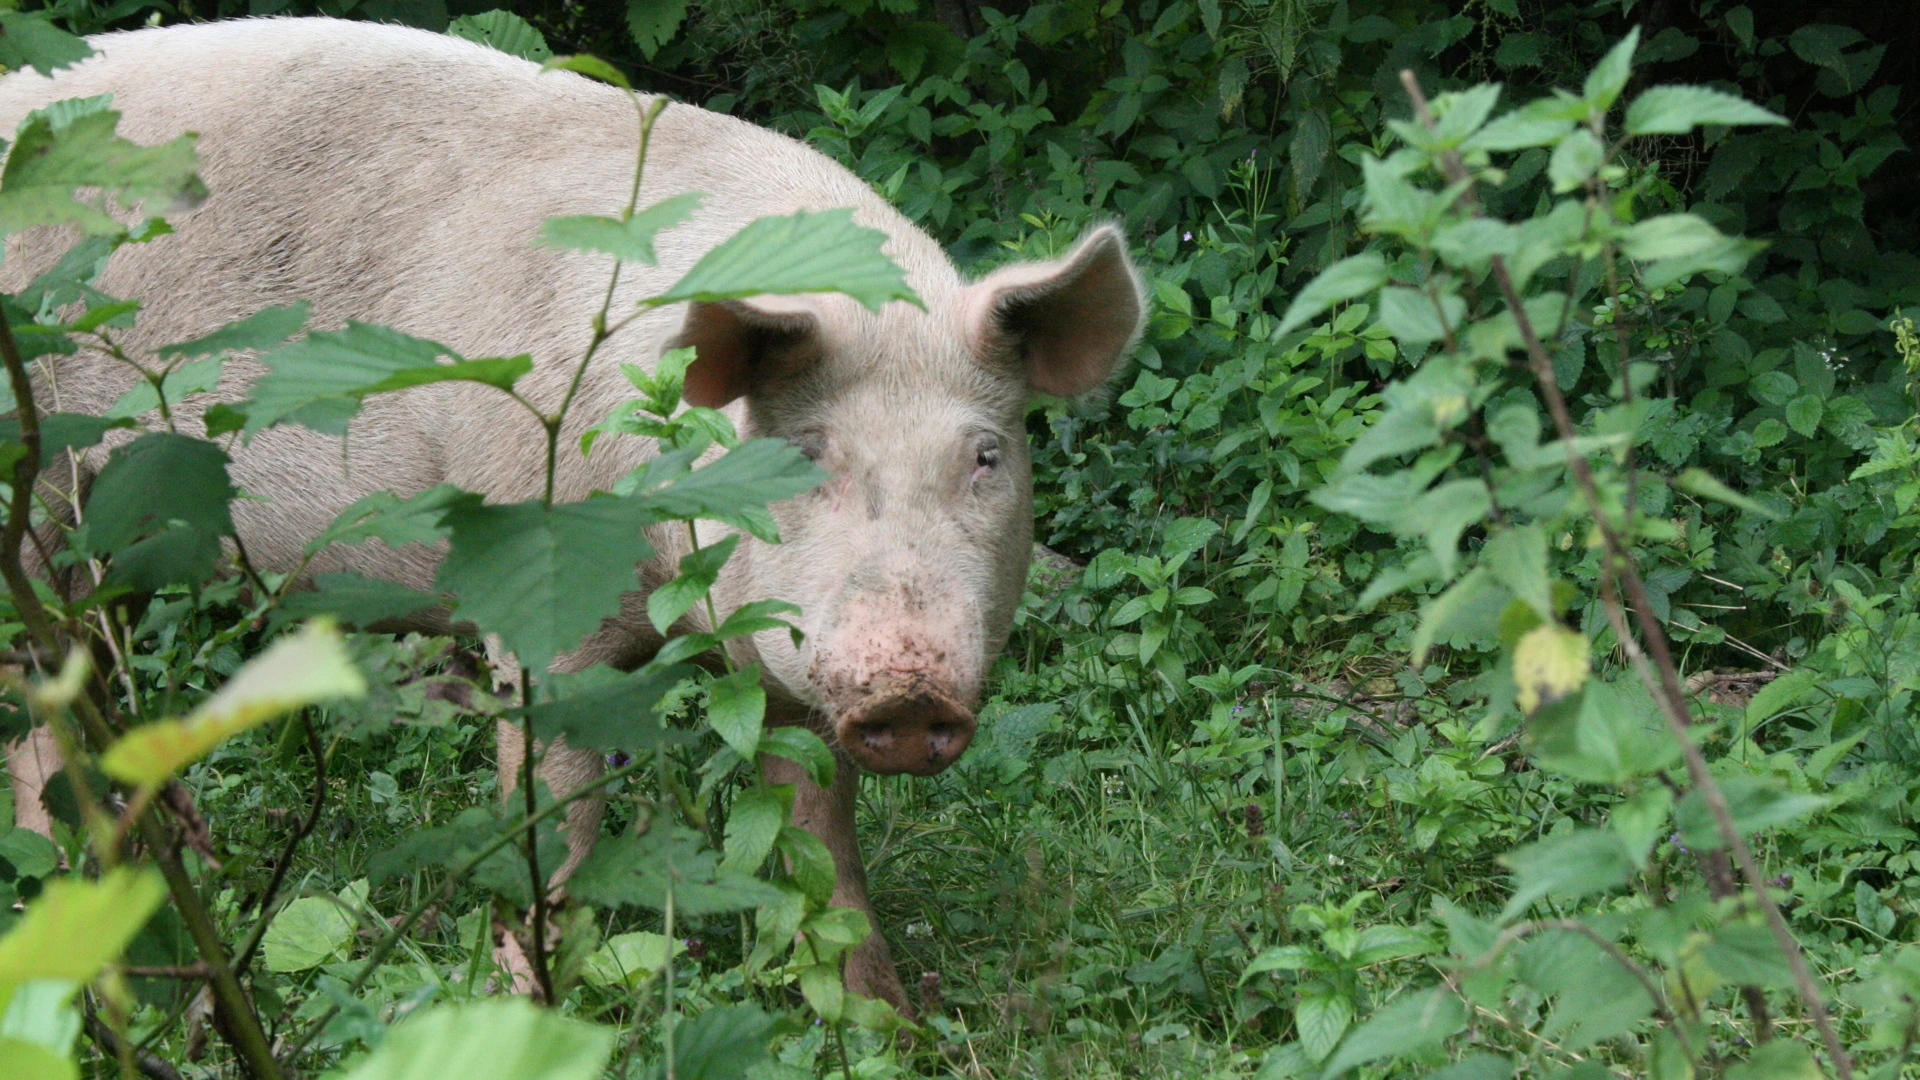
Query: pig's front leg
{"x": 828, "y": 814}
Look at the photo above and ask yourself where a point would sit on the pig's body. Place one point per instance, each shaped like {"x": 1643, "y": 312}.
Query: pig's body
{"x": 399, "y": 177}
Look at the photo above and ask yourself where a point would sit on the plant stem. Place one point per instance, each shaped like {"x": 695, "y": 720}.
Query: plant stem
{"x": 280, "y": 865}
{"x": 543, "y": 979}
{"x": 1670, "y": 695}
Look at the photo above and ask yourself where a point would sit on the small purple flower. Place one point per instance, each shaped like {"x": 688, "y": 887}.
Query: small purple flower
{"x": 1675, "y": 841}
{"x": 1186, "y": 236}
{"x": 617, "y": 760}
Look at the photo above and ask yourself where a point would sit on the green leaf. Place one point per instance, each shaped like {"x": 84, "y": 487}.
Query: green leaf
{"x": 197, "y": 377}
{"x": 1676, "y": 110}
{"x": 1609, "y": 76}
{"x": 499, "y": 372}
{"x": 757, "y": 616}
{"x": 638, "y": 871}
{"x": 153, "y": 481}
{"x": 1387, "y": 941}
{"x": 654, "y": 22}
{"x": 24, "y": 1060}
{"x": 1670, "y": 236}
{"x": 802, "y": 747}
{"x": 1411, "y": 1022}
{"x": 1781, "y": 1059}
{"x": 307, "y": 933}
{"x": 699, "y": 569}
{"x": 1550, "y": 664}
{"x": 1756, "y": 803}
{"x": 1186, "y": 535}
{"x": 1575, "y": 160}
{"x": 599, "y": 710}
{"x": 505, "y": 31}
{"x": 50, "y": 159}
{"x": 806, "y": 252}
{"x": 76, "y": 927}
{"x": 1803, "y": 414}
{"x": 1540, "y": 123}
{"x": 1746, "y": 954}
{"x": 1321, "y": 1018}
{"x": 751, "y": 475}
{"x": 159, "y": 507}
{"x": 257, "y": 332}
{"x": 1411, "y": 315}
{"x": 591, "y": 66}
{"x": 724, "y": 1042}
{"x": 824, "y": 991}
{"x": 631, "y": 240}
{"x": 301, "y": 669}
{"x": 390, "y": 519}
{"x": 736, "y": 708}
{"x": 542, "y": 577}
{"x": 1610, "y": 734}
{"x": 628, "y": 961}
{"x": 1436, "y": 614}
{"x": 754, "y": 822}
{"x": 1704, "y": 484}
{"x": 1566, "y": 867}
{"x": 58, "y": 432}
{"x": 32, "y": 39}
{"x": 1344, "y": 280}
{"x": 1518, "y": 559}
{"x": 504, "y": 1038}
{"x": 354, "y": 600}
{"x": 340, "y": 365}
{"x": 1287, "y": 958}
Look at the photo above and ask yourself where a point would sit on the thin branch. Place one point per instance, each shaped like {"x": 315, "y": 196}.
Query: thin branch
{"x": 281, "y": 864}
{"x": 1670, "y": 695}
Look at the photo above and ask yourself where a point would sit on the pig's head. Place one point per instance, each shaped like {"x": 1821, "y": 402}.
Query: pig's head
{"x": 909, "y": 561}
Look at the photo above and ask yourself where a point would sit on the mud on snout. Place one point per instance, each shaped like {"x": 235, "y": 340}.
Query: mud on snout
{"x": 904, "y": 723}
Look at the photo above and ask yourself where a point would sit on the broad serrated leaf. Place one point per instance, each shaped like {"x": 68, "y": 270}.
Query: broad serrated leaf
{"x": 1566, "y": 867}
{"x": 654, "y": 22}
{"x": 638, "y": 871}
{"x": 810, "y": 863}
{"x": 197, "y": 377}
{"x": 1344, "y": 280}
{"x": 1704, "y": 484}
{"x": 699, "y": 569}
{"x": 1676, "y": 110}
{"x": 600, "y": 710}
{"x": 1287, "y": 958}
{"x": 49, "y": 160}
{"x": 505, "y": 31}
{"x": 1517, "y": 557}
{"x": 301, "y": 669}
{"x": 154, "y": 481}
{"x": 355, "y": 600}
{"x": 1574, "y": 160}
{"x": 807, "y": 252}
{"x": 630, "y": 240}
{"x": 724, "y": 1042}
{"x": 30, "y": 39}
{"x": 542, "y": 577}
{"x": 1320, "y": 1019}
{"x": 1755, "y": 802}
{"x": 392, "y": 520}
{"x": 504, "y": 1038}
{"x": 335, "y": 368}
{"x": 1670, "y": 236}
{"x": 76, "y": 927}
{"x": 748, "y": 477}
{"x": 1609, "y": 76}
{"x": 257, "y": 332}
{"x": 736, "y": 709}
{"x": 1413, "y": 1021}
{"x": 802, "y": 747}
{"x": 754, "y": 822}
{"x": 1610, "y": 734}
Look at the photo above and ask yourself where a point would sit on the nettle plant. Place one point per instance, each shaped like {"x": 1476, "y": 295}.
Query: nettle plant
{"x": 539, "y": 574}
{"x": 1634, "y": 966}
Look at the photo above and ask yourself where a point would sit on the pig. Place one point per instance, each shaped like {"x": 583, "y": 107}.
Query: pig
{"x": 401, "y": 177}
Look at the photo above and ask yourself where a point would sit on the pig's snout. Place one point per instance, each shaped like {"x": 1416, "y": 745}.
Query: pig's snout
{"x": 911, "y": 727}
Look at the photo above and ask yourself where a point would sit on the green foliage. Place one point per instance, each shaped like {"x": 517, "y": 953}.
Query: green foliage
{"x": 1214, "y": 824}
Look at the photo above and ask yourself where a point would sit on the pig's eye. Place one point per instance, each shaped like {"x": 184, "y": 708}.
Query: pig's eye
{"x": 986, "y": 457}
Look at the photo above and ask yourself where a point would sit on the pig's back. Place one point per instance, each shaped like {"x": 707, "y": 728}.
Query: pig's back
{"x": 396, "y": 176}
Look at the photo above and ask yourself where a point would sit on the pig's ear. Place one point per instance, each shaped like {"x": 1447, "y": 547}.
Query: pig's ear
{"x": 1069, "y": 320}
{"x": 739, "y": 344}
